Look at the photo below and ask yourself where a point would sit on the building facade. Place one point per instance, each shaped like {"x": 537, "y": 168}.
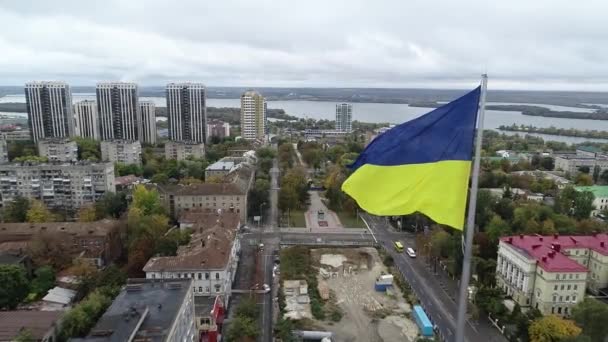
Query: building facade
{"x": 182, "y": 150}
{"x": 58, "y": 150}
{"x": 49, "y": 109}
{"x": 121, "y": 151}
{"x": 148, "y": 310}
{"x": 148, "y": 121}
{"x": 253, "y": 116}
{"x": 17, "y": 135}
{"x": 221, "y": 167}
{"x": 86, "y": 122}
{"x": 64, "y": 186}
{"x": 210, "y": 259}
{"x": 344, "y": 117}
{"x": 187, "y": 112}
{"x": 99, "y": 242}
{"x": 217, "y": 128}
{"x": 3, "y": 151}
{"x": 551, "y": 273}
{"x": 118, "y": 108}
{"x": 600, "y": 200}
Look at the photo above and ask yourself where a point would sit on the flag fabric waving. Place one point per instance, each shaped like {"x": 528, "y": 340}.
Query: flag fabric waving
{"x": 421, "y": 165}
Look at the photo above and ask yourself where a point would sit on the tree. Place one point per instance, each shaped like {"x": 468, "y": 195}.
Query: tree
{"x": 44, "y": 280}
{"x": 564, "y": 201}
{"x": 592, "y": 316}
{"x": 16, "y": 211}
{"x": 583, "y": 204}
{"x": 147, "y": 200}
{"x": 552, "y": 328}
{"x": 190, "y": 181}
{"x": 39, "y": 213}
{"x": 160, "y": 178}
{"x": 547, "y": 163}
{"x": 111, "y": 205}
{"x": 584, "y": 169}
{"x": 78, "y": 321}
{"x": 584, "y": 179}
{"x": 485, "y": 202}
{"x": 48, "y": 249}
{"x": 24, "y": 336}
{"x": 244, "y": 326}
{"x": 440, "y": 241}
{"x": 15, "y": 286}
{"x": 604, "y": 176}
{"x": 215, "y": 179}
{"x": 88, "y": 149}
{"x": 596, "y": 173}
{"x": 87, "y": 214}
{"x": 497, "y": 228}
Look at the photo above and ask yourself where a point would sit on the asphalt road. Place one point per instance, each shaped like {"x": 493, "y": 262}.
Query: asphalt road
{"x": 274, "y": 195}
{"x": 439, "y": 303}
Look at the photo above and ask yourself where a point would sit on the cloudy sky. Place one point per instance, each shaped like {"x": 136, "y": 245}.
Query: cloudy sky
{"x": 521, "y": 44}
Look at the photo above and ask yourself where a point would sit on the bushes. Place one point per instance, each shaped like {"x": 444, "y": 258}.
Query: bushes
{"x": 244, "y": 324}
{"x": 78, "y": 321}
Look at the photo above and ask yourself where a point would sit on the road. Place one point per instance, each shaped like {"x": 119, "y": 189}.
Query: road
{"x": 437, "y": 299}
{"x": 274, "y": 195}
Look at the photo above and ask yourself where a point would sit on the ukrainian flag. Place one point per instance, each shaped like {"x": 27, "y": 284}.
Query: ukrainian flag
{"x": 421, "y": 165}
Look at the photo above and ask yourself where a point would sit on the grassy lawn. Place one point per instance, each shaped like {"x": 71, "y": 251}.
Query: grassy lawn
{"x": 296, "y": 219}
{"x": 350, "y": 221}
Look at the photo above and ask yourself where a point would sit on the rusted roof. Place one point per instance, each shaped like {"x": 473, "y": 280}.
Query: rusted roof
{"x": 38, "y": 323}
{"x": 96, "y": 228}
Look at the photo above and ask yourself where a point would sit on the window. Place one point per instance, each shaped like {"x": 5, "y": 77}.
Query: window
{"x": 570, "y": 276}
{"x": 217, "y": 288}
{"x": 194, "y": 289}
{"x": 206, "y": 275}
{"x": 200, "y": 289}
{"x": 576, "y": 277}
{"x": 566, "y": 310}
{"x": 153, "y": 275}
{"x": 559, "y": 309}
{"x": 554, "y": 299}
{"x": 207, "y": 289}
{"x": 552, "y": 309}
{"x": 179, "y": 275}
{"x": 562, "y": 287}
{"x": 574, "y": 298}
{"x": 217, "y": 275}
{"x": 200, "y": 276}
{"x": 561, "y": 298}
{"x": 555, "y": 288}
{"x": 185, "y": 275}
{"x": 557, "y": 276}
{"x": 568, "y": 288}
{"x": 575, "y": 287}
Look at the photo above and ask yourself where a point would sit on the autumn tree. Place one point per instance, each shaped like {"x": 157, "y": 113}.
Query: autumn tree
{"x": 552, "y": 328}
{"x": 584, "y": 179}
{"x": 87, "y": 214}
{"x": 15, "y": 286}
{"x": 39, "y": 213}
{"x": 48, "y": 249}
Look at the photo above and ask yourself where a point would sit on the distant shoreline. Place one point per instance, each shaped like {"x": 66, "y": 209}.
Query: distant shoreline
{"x": 591, "y": 134}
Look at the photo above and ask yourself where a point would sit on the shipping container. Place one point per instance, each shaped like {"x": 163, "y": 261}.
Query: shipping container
{"x": 381, "y": 287}
{"x": 423, "y": 321}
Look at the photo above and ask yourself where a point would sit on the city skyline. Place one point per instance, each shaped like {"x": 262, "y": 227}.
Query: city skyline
{"x": 390, "y": 44}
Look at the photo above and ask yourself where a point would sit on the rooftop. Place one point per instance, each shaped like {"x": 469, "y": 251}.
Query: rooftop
{"x": 209, "y": 247}
{"x": 548, "y": 250}
{"x": 597, "y": 190}
{"x": 220, "y": 166}
{"x": 96, "y": 228}
{"x": 126, "y": 180}
{"x": 203, "y": 189}
{"x": 591, "y": 149}
{"x": 38, "y": 323}
{"x": 145, "y": 307}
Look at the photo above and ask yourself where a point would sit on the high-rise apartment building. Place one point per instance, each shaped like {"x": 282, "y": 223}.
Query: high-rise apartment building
{"x": 86, "y": 119}
{"x": 58, "y": 150}
{"x": 218, "y": 128}
{"x": 253, "y": 116}
{"x": 187, "y": 112}
{"x": 118, "y": 108}
{"x": 49, "y": 108}
{"x": 68, "y": 186}
{"x": 182, "y": 150}
{"x": 344, "y": 117}
{"x": 148, "y": 122}
{"x": 3, "y": 151}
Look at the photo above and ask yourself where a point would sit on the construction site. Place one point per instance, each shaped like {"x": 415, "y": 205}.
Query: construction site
{"x": 343, "y": 295}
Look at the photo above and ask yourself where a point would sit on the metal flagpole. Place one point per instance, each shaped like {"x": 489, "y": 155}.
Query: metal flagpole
{"x": 463, "y": 299}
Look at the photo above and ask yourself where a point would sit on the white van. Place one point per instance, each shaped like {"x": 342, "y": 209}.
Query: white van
{"x": 410, "y": 252}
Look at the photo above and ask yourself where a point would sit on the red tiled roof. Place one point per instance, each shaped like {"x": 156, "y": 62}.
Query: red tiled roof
{"x": 547, "y": 250}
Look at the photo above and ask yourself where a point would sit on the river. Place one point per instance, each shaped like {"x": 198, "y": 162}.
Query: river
{"x": 393, "y": 113}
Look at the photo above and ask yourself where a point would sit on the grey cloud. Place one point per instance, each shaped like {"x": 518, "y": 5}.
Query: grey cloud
{"x": 543, "y": 44}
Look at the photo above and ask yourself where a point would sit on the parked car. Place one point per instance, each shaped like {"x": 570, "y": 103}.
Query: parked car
{"x": 410, "y": 251}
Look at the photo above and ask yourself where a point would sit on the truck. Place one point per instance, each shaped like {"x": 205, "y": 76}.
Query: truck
{"x": 423, "y": 321}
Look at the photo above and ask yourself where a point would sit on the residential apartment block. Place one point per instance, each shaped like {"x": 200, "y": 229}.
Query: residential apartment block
{"x": 217, "y": 128}
{"x": 86, "y": 122}
{"x": 148, "y": 310}
{"x": 211, "y": 257}
{"x": 118, "y": 108}
{"x": 58, "y": 150}
{"x": 148, "y": 121}
{"x": 65, "y": 186}
{"x": 253, "y": 116}
{"x": 551, "y": 273}
{"x": 187, "y": 112}
{"x": 182, "y": 150}
{"x": 121, "y": 151}
{"x": 586, "y": 156}
{"x": 344, "y": 117}
{"x": 49, "y": 109}
{"x": 99, "y": 241}
{"x": 3, "y": 151}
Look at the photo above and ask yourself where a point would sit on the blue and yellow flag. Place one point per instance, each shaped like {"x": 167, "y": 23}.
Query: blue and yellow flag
{"x": 421, "y": 165}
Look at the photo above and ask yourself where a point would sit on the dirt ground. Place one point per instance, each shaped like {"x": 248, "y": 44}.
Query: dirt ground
{"x": 368, "y": 315}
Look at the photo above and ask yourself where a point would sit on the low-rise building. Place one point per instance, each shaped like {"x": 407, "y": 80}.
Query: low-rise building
{"x": 600, "y": 192}
{"x": 148, "y": 310}
{"x": 16, "y": 135}
{"x": 43, "y": 326}
{"x": 210, "y": 259}
{"x": 121, "y": 151}
{"x": 220, "y": 168}
{"x": 127, "y": 183}
{"x": 551, "y": 273}
{"x": 65, "y": 186}
{"x": 182, "y": 150}
{"x": 560, "y": 181}
{"x": 58, "y": 150}
{"x": 98, "y": 241}
{"x": 218, "y": 128}
{"x": 3, "y": 151}
{"x": 310, "y": 134}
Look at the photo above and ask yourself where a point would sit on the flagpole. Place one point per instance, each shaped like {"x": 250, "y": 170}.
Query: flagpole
{"x": 470, "y": 230}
